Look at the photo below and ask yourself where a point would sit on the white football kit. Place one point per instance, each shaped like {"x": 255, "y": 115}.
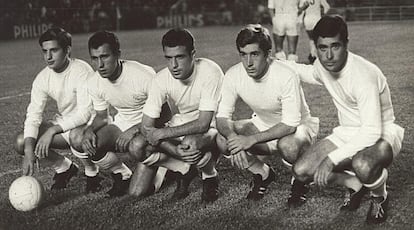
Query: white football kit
{"x": 285, "y": 19}
{"x": 68, "y": 90}
{"x": 199, "y": 92}
{"x": 313, "y": 13}
{"x": 276, "y": 97}
{"x": 127, "y": 94}
{"x": 362, "y": 97}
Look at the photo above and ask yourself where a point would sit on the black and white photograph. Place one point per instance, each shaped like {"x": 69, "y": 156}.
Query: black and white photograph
{"x": 206, "y": 114}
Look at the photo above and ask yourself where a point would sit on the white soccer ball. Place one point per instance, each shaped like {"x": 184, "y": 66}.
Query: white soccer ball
{"x": 26, "y": 193}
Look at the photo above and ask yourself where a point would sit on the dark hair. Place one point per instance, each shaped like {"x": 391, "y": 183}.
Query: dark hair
{"x": 104, "y": 37}
{"x": 63, "y": 38}
{"x": 254, "y": 33}
{"x": 330, "y": 26}
{"x": 178, "y": 37}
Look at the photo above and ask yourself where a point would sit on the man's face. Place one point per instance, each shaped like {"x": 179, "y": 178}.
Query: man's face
{"x": 180, "y": 61}
{"x": 104, "y": 61}
{"x": 332, "y": 53}
{"x": 255, "y": 61}
{"x": 55, "y": 56}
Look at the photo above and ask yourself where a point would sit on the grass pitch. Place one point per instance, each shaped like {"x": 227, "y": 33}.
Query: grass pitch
{"x": 388, "y": 44}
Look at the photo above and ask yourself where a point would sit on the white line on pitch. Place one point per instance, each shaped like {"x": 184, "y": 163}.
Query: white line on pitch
{"x": 14, "y": 96}
{"x": 9, "y": 172}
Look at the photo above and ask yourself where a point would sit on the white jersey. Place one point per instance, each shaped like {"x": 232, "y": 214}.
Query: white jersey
{"x": 199, "y": 92}
{"x": 67, "y": 89}
{"x": 127, "y": 94}
{"x": 314, "y": 10}
{"x": 276, "y": 97}
{"x": 362, "y": 97}
{"x": 284, "y": 6}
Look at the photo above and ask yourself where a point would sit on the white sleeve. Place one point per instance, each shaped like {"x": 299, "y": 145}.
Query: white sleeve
{"x": 291, "y": 102}
{"x": 156, "y": 98}
{"x": 306, "y": 73}
{"x": 371, "y": 125}
{"x": 98, "y": 102}
{"x": 270, "y": 4}
{"x": 83, "y": 108}
{"x": 34, "y": 115}
{"x": 210, "y": 93}
{"x": 325, "y": 6}
{"x": 228, "y": 98}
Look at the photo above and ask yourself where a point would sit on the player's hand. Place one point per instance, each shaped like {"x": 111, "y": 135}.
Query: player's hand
{"x": 43, "y": 144}
{"x": 123, "y": 140}
{"x": 239, "y": 143}
{"x": 321, "y": 176}
{"x": 89, "y": 142}
{"x": 154, "y": 136}
{"x": 239, "y": 160}
{"x": 28, "y": 163}
{"x": 188, "y": 154}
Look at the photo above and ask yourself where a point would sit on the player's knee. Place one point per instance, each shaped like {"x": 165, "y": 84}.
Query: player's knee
{"x": 302, "y": 171}
{"x": 384, "y": 154}
{"x": 289, "y": 149}
{"x": 137, "y": 148}
{"x": 362, "y": 166}
{"x": 221, "y": 143}
{"x": 19, "y": 144}
{"x": 75, "y": 141}
{"x": 190, "y": 141}
{"x": 239, "y": 126}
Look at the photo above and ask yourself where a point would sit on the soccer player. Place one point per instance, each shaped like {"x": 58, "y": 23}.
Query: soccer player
{"x": 122, "y": 84}
{"x": 63, "y": 80}
{"x": 312, "y": 14}
{"x": 285, "y": 23}
{"x": 367, "y": 139}
{"x": 191, "y": 86}
{"x": 281, "y": 119}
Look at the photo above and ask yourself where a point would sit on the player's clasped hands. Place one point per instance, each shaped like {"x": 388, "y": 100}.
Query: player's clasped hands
{"x": 239, "y": 143}
{"x": 188, "y": 154}
{"x": 123, "y": 140}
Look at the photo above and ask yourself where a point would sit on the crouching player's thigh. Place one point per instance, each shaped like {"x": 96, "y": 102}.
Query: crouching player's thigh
{"x": 292, "y": 146}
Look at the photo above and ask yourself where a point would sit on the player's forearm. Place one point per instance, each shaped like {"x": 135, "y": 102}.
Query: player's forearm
{"x": 276, "y": 132}
{"x": 224, "y": 127}
{"x": 81, "y": 117}
{"x": 190, "y": 128}
{"x": 98, "y": 122}
{"x": 34, "y": 117}
{"x": 55, "y": 129}
{"x": 366, "y": 137}
{"x": 147, "y": 124}
{"x": 29, "y": 145}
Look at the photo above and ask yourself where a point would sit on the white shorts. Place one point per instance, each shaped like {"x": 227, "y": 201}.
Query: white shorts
{"x": 121, "y": 124}
{"x": 285, "y": 24}
{"x": 66, "y": 135}
{"x": 310, "y": 21}
{"x": 307, "y": 130}
{"x": 391, "y": 133}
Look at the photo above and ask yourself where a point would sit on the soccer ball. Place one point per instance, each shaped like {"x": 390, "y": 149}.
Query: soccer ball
{"x": 26, "y": 193}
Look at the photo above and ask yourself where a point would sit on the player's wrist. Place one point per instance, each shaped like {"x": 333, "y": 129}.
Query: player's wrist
{"x": 29, "y": 153}
{"x": 231, "y": 135}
